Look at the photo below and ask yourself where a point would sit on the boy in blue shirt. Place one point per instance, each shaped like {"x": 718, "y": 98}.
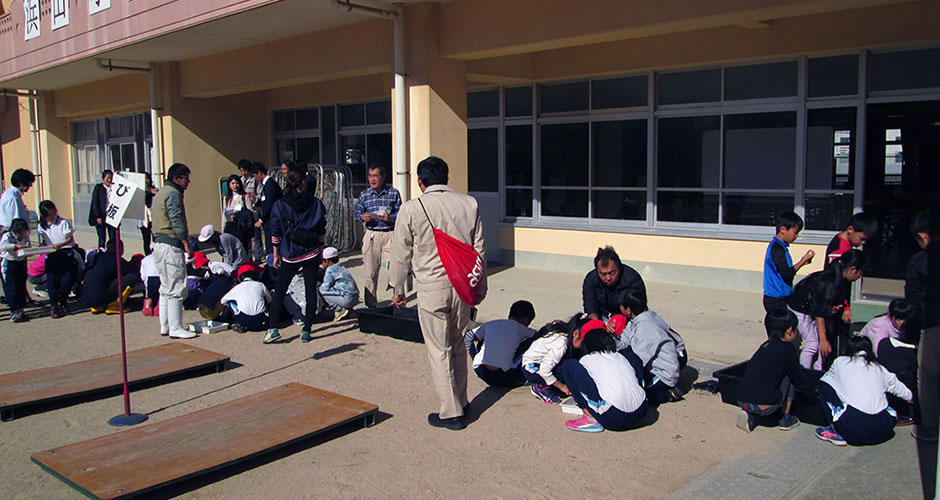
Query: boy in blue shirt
{"x": 779, "y": 269}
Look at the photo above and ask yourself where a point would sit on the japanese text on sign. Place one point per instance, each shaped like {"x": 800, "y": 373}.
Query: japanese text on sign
{"x": 96, "y": 6}
{"x": 60, "y": 14}
{"x": 122, "y": 194}
{"x": 31, "y": 19}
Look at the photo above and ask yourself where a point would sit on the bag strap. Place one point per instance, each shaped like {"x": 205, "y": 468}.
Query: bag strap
{"x": 426, "y": 213}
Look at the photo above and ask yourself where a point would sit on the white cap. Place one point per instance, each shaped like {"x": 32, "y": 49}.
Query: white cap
{"x": 206, "y": 232}
{"x": 330, "y": 253}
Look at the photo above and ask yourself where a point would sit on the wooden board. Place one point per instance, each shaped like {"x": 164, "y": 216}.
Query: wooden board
{"x": 140, "y": 459}
{"x": 101, "y": 374}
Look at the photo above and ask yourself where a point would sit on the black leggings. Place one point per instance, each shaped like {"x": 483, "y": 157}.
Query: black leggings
{"x": 285, "y": 274}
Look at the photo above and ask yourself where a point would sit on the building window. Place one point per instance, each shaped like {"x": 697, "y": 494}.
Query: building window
{"x": 830, "y": 168}
{"x": 118, "y": 143}
{"x": 297, "y": 136}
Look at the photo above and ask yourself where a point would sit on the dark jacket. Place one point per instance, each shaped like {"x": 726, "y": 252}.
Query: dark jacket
{"x": 270, "y": 194}
{"x": 922, "y": 284}
{"x": 99, "y": 204}
{"x": 100, "y": 284}
{"x": 773, "y": 360}
{"x": 601, "y": 299}
{"x": 295, "y": 219}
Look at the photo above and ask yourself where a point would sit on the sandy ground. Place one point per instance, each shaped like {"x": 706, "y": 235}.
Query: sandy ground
{"x": 514, "y": 447}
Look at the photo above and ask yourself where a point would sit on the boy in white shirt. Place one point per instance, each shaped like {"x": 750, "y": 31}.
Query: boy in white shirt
{"x": 249, "y": 301}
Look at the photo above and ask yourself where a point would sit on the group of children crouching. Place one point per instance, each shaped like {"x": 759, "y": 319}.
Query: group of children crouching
{"x": 613, "y": 370}
{"x": 237, "y": 294}
{"x": 868, "y": 386}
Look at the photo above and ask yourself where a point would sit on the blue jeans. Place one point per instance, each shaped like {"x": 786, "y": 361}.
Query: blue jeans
{"x": 583, "y": 387}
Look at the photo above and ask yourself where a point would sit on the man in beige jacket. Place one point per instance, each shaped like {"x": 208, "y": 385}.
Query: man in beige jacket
{"x": 441, "y": 312}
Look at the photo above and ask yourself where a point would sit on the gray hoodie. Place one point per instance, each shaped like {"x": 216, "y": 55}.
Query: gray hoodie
{"x": 644, "y": 334}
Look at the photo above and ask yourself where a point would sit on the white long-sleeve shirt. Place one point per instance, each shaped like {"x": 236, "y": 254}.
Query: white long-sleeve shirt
{"x": 8, "y": 242}
{"x": 250, "y": 297}
{"x": 863, "y": 385}
{"x": 546, "y": 352}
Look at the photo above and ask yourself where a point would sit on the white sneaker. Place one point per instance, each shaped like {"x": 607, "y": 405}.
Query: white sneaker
{"x": 182, "y": 334}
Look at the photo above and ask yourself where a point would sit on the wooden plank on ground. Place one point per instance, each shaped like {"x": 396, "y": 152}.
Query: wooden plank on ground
{"x": 101, "y": 374}
{"x": 133, "y": 461}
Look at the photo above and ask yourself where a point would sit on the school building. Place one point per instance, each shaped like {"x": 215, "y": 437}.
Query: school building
{"x": 672, "y": 130}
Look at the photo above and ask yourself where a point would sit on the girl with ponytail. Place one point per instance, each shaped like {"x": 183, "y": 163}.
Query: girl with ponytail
{"x": 819, "y": 298}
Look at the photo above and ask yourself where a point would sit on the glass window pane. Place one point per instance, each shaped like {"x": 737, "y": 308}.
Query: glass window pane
{"x": 352, "y": 115}
{"x": 912, "y": 69}
{"x": 379, "y": 112}
{"x": 129, "y": 158}
{"x": 564, "y": 155}
{"x": 519, "y": 203}
{"x": 519, "y": 101}
{"x": 564, "y": 202}
{"x": 328, "y": 136}
{"x": 485, "y": 103}
{"x": 561, "y": 97}
{"x": 354, "y": 156}
{"x": 114, "y": 153}
{"x": 283, "y": 121}
{"x": 689, "y": 87}
{"x": 308, "y": 150}
{"x": 623, "y": 205}
{"x": 519, "y": 155}
{"x": 829, "y": 76}
{"x": 830, "y": 149}
{"x": 483, "y": 159}
{"x": 760, "y": 151}
{"x": 761, "y": 81}
{"x": 380, "y": 150}
{"x": 688, "y": 151}
{"x": 619, "y": 92}
{"x": 830, "y": 211}
{"x": 675, "y": 206}
{"x": 286, "y": 150}
{"x": 307, "y": 119}
{"x": 620, "y": 153}
{"x": 755, "y": 209}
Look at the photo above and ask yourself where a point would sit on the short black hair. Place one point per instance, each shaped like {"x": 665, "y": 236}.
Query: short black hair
{"x": 787, "y": 220}
{"x": 598, "y": 340}
{"x": 244, "y": 164}
{"x": 522, "y": 309}
{"x": 18, "y": 225}
{"x": 383, "y": 170}
{"x": 22, "y": 177}
{"x": 635, "y": 300}
{"x": 864, "y": 223}
{"x": 432, "y": 170}
{"x": 177, "y": 170}
{"x": 901, "y": 309}
{"x": 921, "y": 223}
{"x": 778, "y": 321}
{"x": 287, "y": 162}
{"x": 105, "y": 173}
{"x": 606, "y": 255}
{"x": 257, "y": 167}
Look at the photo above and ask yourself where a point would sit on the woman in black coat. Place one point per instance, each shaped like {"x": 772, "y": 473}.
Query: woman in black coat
{"x": 99, "y": 205}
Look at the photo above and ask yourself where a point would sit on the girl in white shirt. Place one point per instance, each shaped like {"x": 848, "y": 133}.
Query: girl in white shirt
{"x": 603, "y": 382}
{"x": 852, "y": 394}
{"x": 249, "y": 301}
{"x": 61, "y": 268}
{"x": 544, "y": 356}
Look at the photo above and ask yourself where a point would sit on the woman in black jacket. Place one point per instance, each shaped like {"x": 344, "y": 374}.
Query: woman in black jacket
{"x": 99, "y": 205}
{"x": 298, "y": 231}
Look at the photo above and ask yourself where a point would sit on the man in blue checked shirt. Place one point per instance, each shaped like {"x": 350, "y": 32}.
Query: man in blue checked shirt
{"x": 377, "y": 208}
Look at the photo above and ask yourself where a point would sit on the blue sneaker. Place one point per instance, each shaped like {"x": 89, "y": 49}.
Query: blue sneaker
{"x": 545, "y": 393}
{"x": 304, "y": 336}
{"x": 830, "y": 434}
{"x": 272, "y": 336}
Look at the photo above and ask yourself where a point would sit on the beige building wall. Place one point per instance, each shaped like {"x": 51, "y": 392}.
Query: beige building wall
{"x": 14, "y": 140}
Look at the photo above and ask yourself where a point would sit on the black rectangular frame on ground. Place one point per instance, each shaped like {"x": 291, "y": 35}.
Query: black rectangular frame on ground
{"x": 807, "y": 409}
{"x": 384, "y": 321}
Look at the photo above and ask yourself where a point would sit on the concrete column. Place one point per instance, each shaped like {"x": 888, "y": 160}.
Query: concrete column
{"x": 437, "y": 98}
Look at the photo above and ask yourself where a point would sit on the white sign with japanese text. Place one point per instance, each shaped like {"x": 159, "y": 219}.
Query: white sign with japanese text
{"x": 125, "y": 195}
{"x": 30, "y": 19}
{"x": 96, "y": 6}
{"x": 60, "y": 14}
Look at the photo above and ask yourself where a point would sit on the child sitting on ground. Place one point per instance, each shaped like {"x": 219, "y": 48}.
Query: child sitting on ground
{"x": 647, "y": 336}
{"x": 821, "y": 297}
{"x": 338, "y": 289}
{"x": 900, "y": 358}
{"x": 497, "y": 359}
{"x": 852, "y": 395}
{"x": 603, "y": 383}
{"x": 249, "y": 301}
{"x": 541, "y": 359}
{"x": 14, "y": 268}
{"x": 773, "y": 375}
{"x": 779, "y": 269}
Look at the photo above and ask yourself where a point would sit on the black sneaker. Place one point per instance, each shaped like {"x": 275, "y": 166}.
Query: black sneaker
{"x": 788, "y": 422}
{"x": 454, "y": 423}
{"x": 238, "y": 328}
{"x": 19, "y": 316}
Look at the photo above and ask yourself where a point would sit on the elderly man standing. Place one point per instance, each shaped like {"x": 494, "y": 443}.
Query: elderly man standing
{"x": 170, "y": 249}
{"x": 441, "y": 312}
{"x": 377, "y": 208}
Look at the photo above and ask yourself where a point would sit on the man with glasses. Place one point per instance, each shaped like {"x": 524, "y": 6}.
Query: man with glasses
{"x": 377, "y": 208}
